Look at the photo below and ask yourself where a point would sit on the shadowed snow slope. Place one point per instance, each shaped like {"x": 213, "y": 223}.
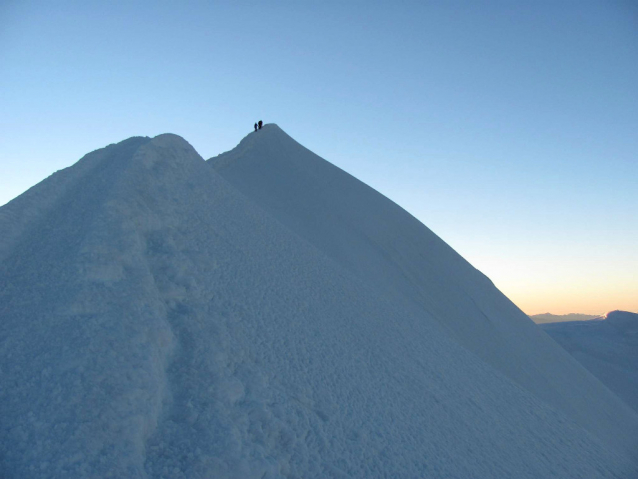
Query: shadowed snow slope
{"x": 607, "y": 347}
{"x": 160, "y": 321}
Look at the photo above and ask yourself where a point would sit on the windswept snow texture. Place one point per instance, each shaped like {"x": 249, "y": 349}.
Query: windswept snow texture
{"x": 607, "y": 347}
{"x": 269, "y": 316}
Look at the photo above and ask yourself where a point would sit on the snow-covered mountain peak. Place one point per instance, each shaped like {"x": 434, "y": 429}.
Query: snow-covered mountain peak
{"x": 174, "y": 149}
{"x": 267, "y": 315}
{"x": 173, "y": 142}
{"x": 270, "y": 145}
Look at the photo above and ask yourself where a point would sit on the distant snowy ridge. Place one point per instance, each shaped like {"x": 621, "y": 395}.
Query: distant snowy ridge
{"x": 607, "y": 347}
{"x": 556, "y": 318}
{"x": 274, "y": 318}
{"x": 623, "y": 321}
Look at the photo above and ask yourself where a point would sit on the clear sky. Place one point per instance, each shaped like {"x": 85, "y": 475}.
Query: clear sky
{"x": 510, "y": 128}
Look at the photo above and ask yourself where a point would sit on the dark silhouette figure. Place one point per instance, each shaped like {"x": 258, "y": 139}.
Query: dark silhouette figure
{"x": 260, "y": 124}
{"x": 255, "y": 126}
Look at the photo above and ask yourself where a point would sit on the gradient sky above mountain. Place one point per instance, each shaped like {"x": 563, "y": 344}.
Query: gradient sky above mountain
{"x": 507, "y": 128}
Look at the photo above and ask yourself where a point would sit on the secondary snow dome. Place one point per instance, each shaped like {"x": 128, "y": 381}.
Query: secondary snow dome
{"x": 267, "y": 315}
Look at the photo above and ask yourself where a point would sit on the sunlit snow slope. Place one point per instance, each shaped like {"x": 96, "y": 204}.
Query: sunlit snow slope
{"x": 161, "y": 321}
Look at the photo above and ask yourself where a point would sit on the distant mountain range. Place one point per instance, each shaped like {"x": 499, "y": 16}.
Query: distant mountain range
{"x": 558, "y": 318}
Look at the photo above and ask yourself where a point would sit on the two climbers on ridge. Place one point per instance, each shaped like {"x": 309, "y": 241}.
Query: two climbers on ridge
{"x": 259, "y": 124}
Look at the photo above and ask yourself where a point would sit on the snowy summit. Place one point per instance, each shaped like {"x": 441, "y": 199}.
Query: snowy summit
{"x": 266, "y": 315}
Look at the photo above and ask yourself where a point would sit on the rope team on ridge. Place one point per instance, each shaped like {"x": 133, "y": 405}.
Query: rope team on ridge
{"x": 258, "y": 125}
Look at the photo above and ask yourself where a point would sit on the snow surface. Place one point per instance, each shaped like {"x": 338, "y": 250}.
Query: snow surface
{"x": 268, "y": 316}
{"x": 607, "y": 347}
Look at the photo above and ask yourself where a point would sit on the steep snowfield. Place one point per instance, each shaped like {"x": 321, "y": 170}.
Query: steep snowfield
{"x": 160, "y": 321}
{"x": 608, "y": 348}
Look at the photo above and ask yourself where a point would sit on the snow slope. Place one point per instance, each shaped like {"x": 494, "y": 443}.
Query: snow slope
{"x": 607, "y": 347}
{"x": 158, "y": 321}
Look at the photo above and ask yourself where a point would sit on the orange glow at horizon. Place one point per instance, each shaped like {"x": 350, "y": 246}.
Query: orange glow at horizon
{"x": 538, "y": 287}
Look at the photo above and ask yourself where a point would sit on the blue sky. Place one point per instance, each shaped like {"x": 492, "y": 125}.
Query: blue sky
{"x": 508, "y": 127}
